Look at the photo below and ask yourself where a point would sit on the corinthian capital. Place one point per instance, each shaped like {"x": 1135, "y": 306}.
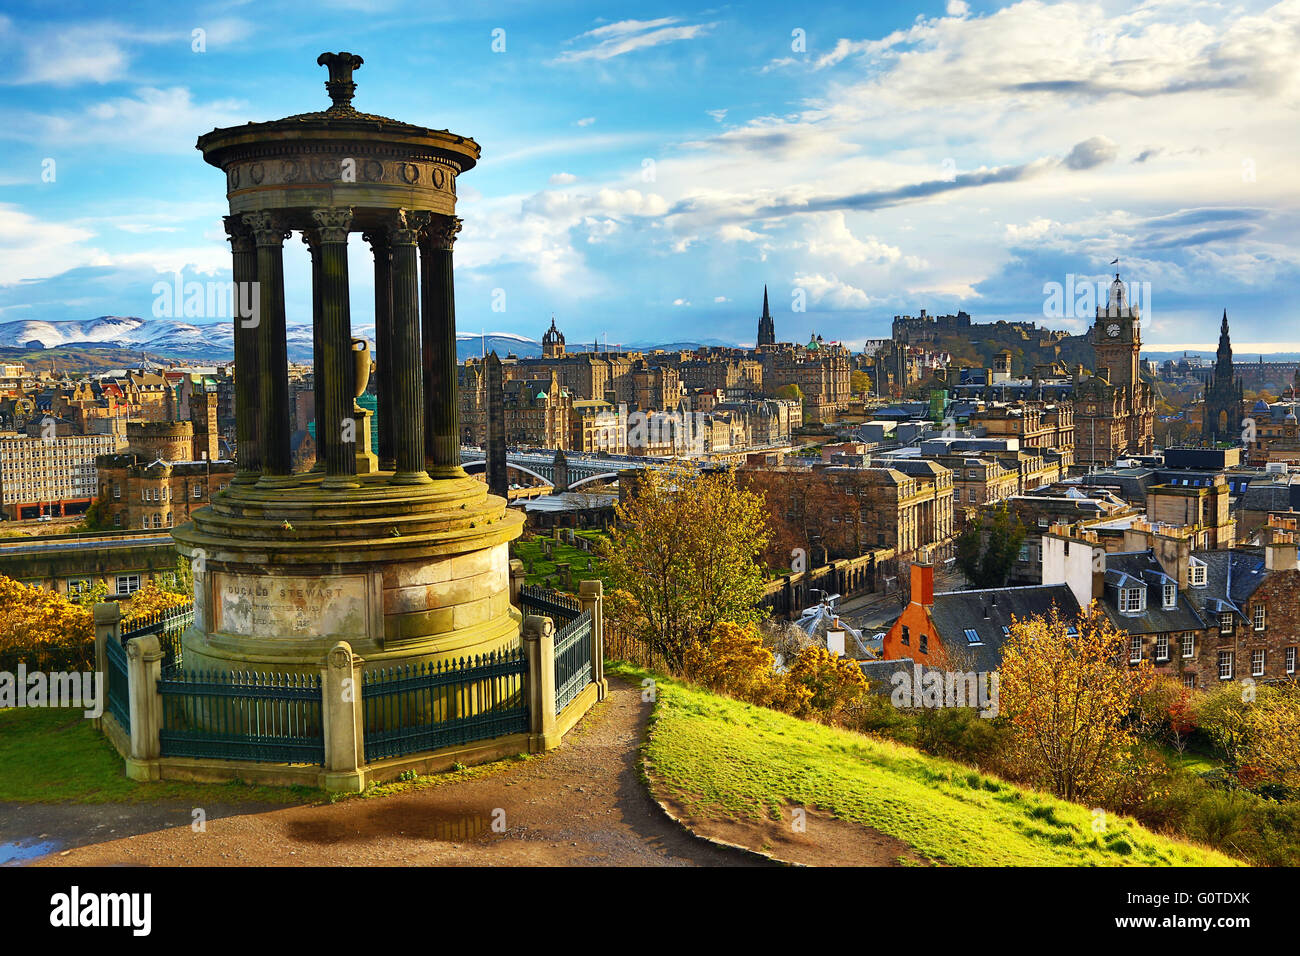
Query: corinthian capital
{"x": 441, "y": 232}
{"x": 333, "y": 223}
{"x": 268, "y": 227}
{"x": 240, "y": 236}
{"x": 406, "y": 225}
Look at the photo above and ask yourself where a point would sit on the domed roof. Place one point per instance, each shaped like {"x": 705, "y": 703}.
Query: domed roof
{"x": 813, "y": 345}
{"x": 1290, "y": 416}
{"x": 1260, "y": 406}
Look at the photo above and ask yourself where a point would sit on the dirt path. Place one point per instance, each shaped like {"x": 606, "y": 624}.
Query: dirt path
{"x": 582, "y": 804}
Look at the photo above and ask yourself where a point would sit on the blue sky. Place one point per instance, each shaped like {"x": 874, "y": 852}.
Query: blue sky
{"x": 647, "y": 168}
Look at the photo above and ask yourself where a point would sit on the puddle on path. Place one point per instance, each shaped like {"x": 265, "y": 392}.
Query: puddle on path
{"x": 14, "y": 854}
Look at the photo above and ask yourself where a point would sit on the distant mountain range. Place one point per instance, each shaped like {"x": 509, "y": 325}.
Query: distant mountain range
{"x": 214, "y": 342}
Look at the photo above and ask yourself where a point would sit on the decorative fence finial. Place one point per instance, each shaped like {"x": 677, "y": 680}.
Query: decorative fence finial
{"x": 340, "y": 86}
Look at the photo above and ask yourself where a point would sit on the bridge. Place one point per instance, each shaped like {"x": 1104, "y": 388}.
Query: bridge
{"x": 539, "y": 464}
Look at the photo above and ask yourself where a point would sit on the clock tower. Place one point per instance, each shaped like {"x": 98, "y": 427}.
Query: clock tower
{"x": 1117, "y": 337}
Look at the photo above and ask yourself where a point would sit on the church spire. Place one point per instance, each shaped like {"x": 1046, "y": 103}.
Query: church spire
{"x": 766, "y": 325}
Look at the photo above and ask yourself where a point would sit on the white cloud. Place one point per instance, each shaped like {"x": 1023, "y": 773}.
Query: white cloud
{"x": 626, "y": 36}
{"x": 831, "y": 292}
{"x": 562, "y": 179}
{"x": 957, "y": 8}
{"x": 586, "y": 121}
{"x": 720, "y": 298}
{"x": 681, "y": 302}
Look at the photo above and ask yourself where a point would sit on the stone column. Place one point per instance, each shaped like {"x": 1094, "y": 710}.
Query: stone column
{"x": 247, "y": 311}
{"x": 143, "y": 668}
{"x": 408, "y": 380}
{"x": 312, "y": 241}
{"x": 591, "y": 594}
{"x": 343, "y": 720}
{"x": 338, "y": 436}
{"x": 108, "y": 627}
{"x": 383, "y": 344}
{"x": 539, "y": 645}
{"x": 441, "y": 405}
{"x": 272, "y": 350}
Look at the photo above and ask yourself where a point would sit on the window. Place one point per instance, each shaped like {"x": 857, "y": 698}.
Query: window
{"x": 77, "y": 587}
{"x": 906, "y": 637}
{"x": 1290, "y": 660}
{"x": 117, "y": 491}
{"x": 1024, "y": 552}
{"x": 1189, "y": 645}
{"x": 1225, "y": 665}
{"x": 1162, "y": 647}
{"x": 1259, "y": 617}
{"x": 972, "y": 636}
{"x": 1135, "y": 649}
{"x": 1189, "y": 681}
{"x": 1006, "y": 631}
{"x": 1132, "y": 600}
{"x": 924, "y": 645}
{"x": 1198, "y": 575}
{"x": 1170, "y": 595}
{"x": 1257, "y": 662}
{"x": 1225, "y": 622}
{"x": 128, "y": 583}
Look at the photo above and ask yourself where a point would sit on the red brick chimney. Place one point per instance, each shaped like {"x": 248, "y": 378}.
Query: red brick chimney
{"x": 923, "y": 580}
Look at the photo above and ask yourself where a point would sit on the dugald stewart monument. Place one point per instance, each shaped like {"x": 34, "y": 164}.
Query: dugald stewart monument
{"x": 404, "y": 557}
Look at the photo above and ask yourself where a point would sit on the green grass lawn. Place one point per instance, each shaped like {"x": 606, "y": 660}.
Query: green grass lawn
{"x": 722, "y": 758}
{"x": 50, "y": 755}
{"x": 586, "y": 567}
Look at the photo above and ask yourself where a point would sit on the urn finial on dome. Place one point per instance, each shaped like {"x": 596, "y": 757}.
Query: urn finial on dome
{"x": 340, "y": 86}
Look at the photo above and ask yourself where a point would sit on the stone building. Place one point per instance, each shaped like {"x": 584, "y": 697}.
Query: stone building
{"x": 537, "y": 413}
{"x": 169, "y": 470}
{"x": 1114, "y": 410}
{"x": 905, "y": 508}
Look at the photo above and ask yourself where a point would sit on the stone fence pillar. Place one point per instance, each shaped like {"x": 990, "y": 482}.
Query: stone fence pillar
{"x": 143, "y": 668}
{"x": 592, "y": 596}
{"x": 342, "y": 716}
{"x": 108, "y": 627}
{"x": 517, "y": 576}
{"x": 539, "y": 644}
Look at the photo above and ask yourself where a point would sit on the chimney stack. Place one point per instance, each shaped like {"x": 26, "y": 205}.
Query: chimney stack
{"x": 923, "y": 580}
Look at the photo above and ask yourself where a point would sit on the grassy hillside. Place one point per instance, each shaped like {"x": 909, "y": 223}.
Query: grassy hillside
{"x": 720, "y": 758}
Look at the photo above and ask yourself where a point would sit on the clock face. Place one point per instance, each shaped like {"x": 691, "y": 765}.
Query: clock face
{"x": 1112, "y": 330}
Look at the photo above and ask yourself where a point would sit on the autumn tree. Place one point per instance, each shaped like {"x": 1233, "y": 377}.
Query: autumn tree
{"x": 1271, "y": 746}
{"x": 988, "y": 548}
{"x": 805, "y": 510}
{"x": 43, "y": 629}
{"x": 1069, "y": 692}
{"x": 684, "y": 552}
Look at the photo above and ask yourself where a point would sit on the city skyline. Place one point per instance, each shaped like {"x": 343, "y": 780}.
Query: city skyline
{"x": 643, "y": 178}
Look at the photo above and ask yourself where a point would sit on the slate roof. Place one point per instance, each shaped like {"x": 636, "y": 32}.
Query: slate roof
{"x": 1131, "y": 568}
{"x": 1247, "y": 574}
{"x": 1270, "y": 496}
{"x": 956, "y": 611}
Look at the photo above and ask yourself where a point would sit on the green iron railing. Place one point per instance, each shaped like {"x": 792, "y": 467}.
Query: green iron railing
{"x": 573, "y": 668}
{"x": 242, "y": 716}
{"x": 424, "y": 707}
{"x": 118, "y": 691}
{"x": 169, "y": 625}
{"x": 560, "y": 608}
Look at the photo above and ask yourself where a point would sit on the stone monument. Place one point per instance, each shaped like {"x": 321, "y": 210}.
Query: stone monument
{"x": 407, "y": 560}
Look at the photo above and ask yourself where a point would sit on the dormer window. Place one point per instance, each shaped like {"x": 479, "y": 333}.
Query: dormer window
{"x": 1197, "y": 572}
{"x": 1132, "y": 600}
{"x": 1170, "y": 596}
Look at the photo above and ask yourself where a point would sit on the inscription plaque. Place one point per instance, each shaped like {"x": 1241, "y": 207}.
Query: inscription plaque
{"x": 291, "y": 605}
